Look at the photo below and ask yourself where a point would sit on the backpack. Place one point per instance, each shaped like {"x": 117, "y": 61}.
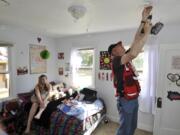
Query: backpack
{"x": 130, "y": 83}
{"x": 89, "y": 95}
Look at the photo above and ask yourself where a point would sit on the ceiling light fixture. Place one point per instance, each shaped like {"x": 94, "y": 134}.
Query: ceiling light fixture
{"x": 77, "y": 11}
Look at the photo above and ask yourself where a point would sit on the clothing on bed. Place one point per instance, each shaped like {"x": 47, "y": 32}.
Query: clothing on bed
{"x": 63, "y": 124}
{"x": 89, "y": 95}
{"x": 81, "y": 110}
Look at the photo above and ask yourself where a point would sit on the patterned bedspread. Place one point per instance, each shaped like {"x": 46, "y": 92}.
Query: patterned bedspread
{"x": 63, "y": 124}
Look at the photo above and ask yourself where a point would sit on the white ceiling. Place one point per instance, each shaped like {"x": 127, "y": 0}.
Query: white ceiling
{"x": 51, "y": 16}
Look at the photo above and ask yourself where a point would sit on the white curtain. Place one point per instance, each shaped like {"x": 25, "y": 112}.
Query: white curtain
{"x": 150, "y": 67}
{"x": 75, "y": 64}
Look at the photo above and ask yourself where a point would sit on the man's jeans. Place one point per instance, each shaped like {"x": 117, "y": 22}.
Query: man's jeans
{"x": 128, "y": 112}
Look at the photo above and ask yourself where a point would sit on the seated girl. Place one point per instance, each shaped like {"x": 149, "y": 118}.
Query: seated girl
{"x": 41, "y": 93}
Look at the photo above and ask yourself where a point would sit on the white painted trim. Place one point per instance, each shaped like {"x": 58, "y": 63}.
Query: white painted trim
{"x": 142, "y": 126}
{"x": 145, "y": 127}
{"x": 6, "y": 44}
{"x": 161, "y": 75}
{"x": 112, "y": 118}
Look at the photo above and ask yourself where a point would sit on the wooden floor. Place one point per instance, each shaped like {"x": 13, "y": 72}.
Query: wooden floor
{"x": 111, "y": 127}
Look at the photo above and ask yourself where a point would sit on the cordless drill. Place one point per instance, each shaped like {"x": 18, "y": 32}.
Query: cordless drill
{"x": 156, "y": 28}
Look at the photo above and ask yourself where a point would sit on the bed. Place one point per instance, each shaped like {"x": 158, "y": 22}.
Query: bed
{"x": 83, "y": 122}
{"x": 63, "y": 123}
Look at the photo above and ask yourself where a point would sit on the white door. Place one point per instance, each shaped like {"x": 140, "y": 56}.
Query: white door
{"x": 167, "y": 117}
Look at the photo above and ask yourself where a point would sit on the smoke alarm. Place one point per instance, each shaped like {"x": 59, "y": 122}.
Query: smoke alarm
{"x": 4, "y": 3}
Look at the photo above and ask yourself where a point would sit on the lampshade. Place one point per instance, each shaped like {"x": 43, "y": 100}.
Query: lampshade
{"x": 77, "y": 11}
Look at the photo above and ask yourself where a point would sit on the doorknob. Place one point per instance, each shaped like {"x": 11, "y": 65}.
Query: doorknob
{"x": 159, "y": 102}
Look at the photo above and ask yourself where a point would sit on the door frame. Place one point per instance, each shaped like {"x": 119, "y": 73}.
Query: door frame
{"x": 163, "y": 48}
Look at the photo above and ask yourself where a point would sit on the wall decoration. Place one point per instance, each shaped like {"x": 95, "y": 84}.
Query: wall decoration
{"x": 61, "y": 71}
{"x": 66, "y": 75}
{"x": 111, "y": 76}
{"x": 22, "y": 70}
{"x": 102, "y": 76}
{"x": 37, "y": 64}
{"x": 173, "y": 95}
{"x": 174, "y": 78}
{"x": 178, "y": 82}
{"x": 99, "y": 76}
{"x": 107, "y": 76}
{"x": 60, "y": 55}
{"x": 105, "y": 60}
{"x": 45, "y": 54}
{"x": 67, "y": 66}
{"x": 176, "y": 62}
{"x": 39, "y": 39}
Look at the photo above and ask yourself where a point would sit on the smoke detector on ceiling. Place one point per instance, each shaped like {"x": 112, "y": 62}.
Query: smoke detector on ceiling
{"x": 148, "y": 2}
{"x": 77, "y": 11}
{"x": 4, "y": 3}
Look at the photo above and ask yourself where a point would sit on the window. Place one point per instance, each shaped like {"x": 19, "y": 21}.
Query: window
{"x": 83, "y": 68}
{"x": 4, "y": 72}
{"x": 138, "y": 63}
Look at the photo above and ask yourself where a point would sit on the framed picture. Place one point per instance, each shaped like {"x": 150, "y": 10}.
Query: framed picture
{"x": 37, "y": 64}
{"x": 61, "y": 71}
{"x": 22, "y": 70}
{"x": 60, "y": 55}
{"x": 67, "y": 66}
{"x": 105, "y": 60}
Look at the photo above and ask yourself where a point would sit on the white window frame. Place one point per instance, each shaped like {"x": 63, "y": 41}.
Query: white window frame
{"x": 8, "y": 45}
{"x": 94, "y": 61}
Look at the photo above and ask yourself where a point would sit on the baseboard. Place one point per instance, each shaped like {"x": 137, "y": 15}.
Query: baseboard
{"x": 113, "y": 118}
{"x": 145, "y": 127}
{"x": 142, "y": 126}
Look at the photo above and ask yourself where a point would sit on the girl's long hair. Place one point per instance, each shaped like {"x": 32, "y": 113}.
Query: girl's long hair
{"x": 42, "y": 86}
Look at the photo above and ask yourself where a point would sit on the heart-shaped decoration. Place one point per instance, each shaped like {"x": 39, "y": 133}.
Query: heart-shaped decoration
{"x": 178, "y": 83}
{"x": 39, "y": 39}
{"x": 173, "y": 77}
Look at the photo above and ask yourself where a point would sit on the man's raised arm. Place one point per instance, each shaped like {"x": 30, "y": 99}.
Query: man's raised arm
{"x": 140, "y": 38}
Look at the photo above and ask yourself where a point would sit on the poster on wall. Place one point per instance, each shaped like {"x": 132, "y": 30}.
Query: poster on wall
{"x": 61, "y": 71}
{"x": 173, "y": 95}
{"x": 176, "y": 62}
{"x": 111, "y": 76}
{"x": 60, "y": 55}
{"x": 37, "y": 64}
{"x": 22, "y": 70}
{"x": 105, "y": 60}
{"x": 67, "y": 66}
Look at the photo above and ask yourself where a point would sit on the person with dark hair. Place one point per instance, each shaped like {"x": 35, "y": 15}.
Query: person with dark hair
{"x": 41, "y": 92}
{"x": 127, "y": 103}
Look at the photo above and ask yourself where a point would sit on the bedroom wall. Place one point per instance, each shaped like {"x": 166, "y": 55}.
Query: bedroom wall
{"x": 100, "y": 42}
{"x": 20, "y": 57}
